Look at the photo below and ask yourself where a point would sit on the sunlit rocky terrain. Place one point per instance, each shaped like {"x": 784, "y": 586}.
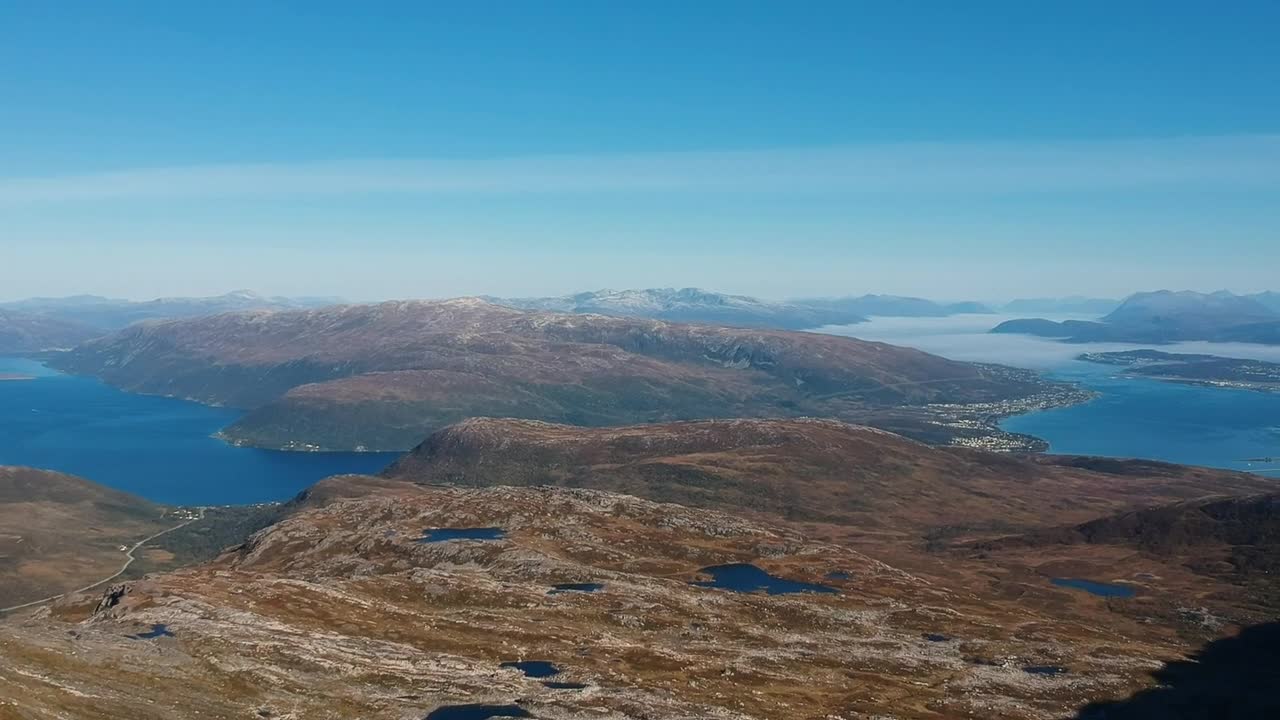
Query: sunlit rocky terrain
{"x": 812, "y": 569}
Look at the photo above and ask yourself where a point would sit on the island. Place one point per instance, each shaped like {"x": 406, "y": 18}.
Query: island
{"x": 1207, "y": 370}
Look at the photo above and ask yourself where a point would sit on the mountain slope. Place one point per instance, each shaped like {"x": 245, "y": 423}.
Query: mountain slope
{"x": 812, "y": 471}
{"x": 385, "y": 376}
{"x": 1222, "y": 551}
{"x": 1244, "y": 531}
{"x": 22, "y": 332}
{"x": 1189, "y": 311}
{"x": 1270, "y": 299}
{"x": 59, "y": 533}
{"x": 690, "y": 305}
{"x": 351, "y": 605}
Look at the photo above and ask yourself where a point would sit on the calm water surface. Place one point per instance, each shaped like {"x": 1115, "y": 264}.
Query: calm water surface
{"x": 1094, "y": 587}
{"x": 533, "y": 668}
{"x": 588, "y": 587}
{"x": 1132, "y": 417}
{"x": 159, "y": 448}
{"x": 746, "y": 578}
{"x": 435, "y": 535}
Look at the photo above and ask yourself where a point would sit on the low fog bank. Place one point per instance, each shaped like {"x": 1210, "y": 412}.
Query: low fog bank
{"x": 968, "y": 338}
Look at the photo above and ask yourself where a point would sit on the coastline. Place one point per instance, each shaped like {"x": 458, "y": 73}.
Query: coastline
{"x": 1198, "y": 369}
{"x": 978, "y": 426}
{"x": 1210, "y": 383}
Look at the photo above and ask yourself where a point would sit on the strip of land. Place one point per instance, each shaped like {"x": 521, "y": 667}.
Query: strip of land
{"x": 1205, "y": 370}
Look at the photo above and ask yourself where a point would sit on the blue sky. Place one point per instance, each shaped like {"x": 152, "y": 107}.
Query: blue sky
{"x": 388, "y": 149}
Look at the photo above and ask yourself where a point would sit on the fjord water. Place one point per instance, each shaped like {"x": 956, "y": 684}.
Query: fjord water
{"x": 159, "y": 448}
{"x": 1139, "y": 417}
{"x": 1132, "y": 417}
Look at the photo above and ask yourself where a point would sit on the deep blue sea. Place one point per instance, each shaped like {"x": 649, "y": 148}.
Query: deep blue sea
{"x": 1136, "y": 417}
{"x": 1132, "y": 417}
{"x": 159, "y": 448}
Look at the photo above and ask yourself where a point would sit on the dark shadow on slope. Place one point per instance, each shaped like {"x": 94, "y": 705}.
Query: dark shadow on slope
{"x": 1235, "y": 678}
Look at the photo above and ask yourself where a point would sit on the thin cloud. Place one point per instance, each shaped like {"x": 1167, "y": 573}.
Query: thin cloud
{"x": 1234, "y": 161}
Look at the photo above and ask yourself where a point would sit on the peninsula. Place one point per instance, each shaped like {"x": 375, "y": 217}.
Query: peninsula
{"x": 1207, "y": 370}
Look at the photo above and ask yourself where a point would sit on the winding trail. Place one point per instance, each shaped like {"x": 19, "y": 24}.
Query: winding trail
{"x": 129, "y": 558}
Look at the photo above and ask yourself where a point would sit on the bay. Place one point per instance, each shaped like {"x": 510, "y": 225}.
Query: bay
{"x": 1132, "y": 417}
{"x": 160, "y": 448}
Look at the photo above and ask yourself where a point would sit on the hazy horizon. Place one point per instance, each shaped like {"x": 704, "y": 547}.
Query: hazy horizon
{"x": 994, "y": 302}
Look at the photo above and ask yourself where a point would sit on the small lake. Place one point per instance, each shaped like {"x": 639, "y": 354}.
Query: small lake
{"x": 533, "y": 668}
{"x": 1092, "y": 587}
{"x": 436, "y": 535}
{"x": 588, "y": 587}
{"x": 744, "y": 578}
{"x": 477, "y": 712}
{"x": 159, "y": 448}
{"x": 1132, "y": 417}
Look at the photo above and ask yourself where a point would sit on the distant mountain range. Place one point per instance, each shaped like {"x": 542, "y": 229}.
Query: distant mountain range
{"x": 38, "y": 324}
{"x": 895, "y": 306}
{"x": 702, "y": 306}
{"x": 1270, "y": 299}
{"x": 103, "y": 313}
{"x": 22, "y": 332}
{"x": 1167, "y": 316}
{"x": 1073, "y": 305}
{"x": 690, "y": 305}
